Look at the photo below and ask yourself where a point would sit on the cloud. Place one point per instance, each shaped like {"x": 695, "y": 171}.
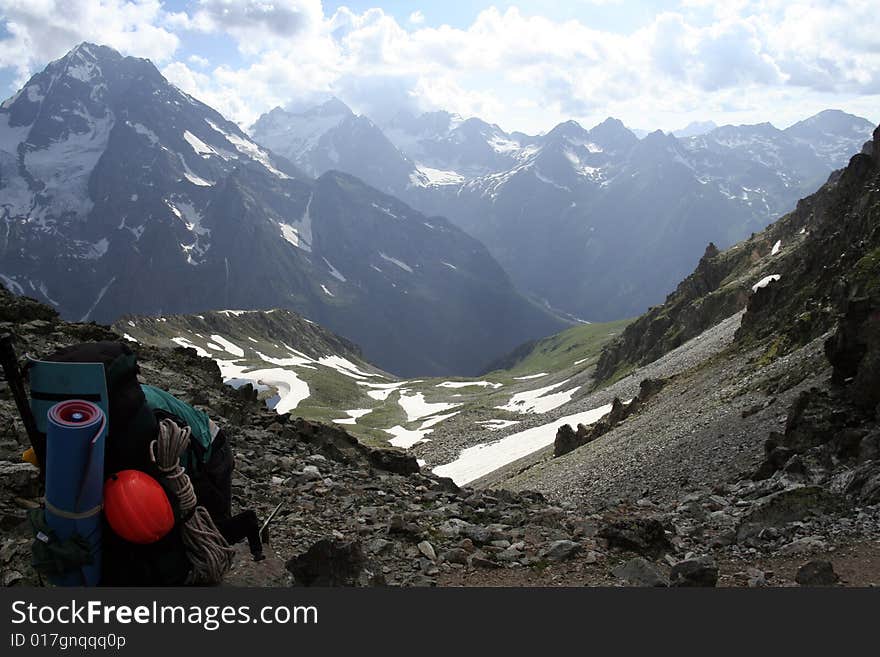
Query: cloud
{"x": 40, "y": 31}
{"x": 256, "y": 25}
{"x": 520, "y": 70}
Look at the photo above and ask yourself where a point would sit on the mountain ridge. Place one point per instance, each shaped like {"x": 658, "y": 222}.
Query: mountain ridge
{"x": 153, "y": 203}
{"x": 625, "y": 214}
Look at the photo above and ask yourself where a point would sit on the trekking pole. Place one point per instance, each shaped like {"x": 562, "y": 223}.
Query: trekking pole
{"x": 264, "y": 530}
{"x": 9, "y": 361}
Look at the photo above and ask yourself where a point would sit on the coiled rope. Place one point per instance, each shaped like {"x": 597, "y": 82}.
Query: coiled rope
{"x": 209, "y": 553}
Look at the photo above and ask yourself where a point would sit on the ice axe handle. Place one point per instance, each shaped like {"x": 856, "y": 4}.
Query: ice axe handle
{"x": 9, "y": 361}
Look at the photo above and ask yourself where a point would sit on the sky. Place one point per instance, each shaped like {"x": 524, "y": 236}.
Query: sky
{"x": 525, "y": 65}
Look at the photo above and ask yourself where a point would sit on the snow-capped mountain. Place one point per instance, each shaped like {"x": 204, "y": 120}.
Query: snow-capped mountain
{"x": 331, "y": 137}
{"x": 600, "y": 223}
{"x": 122, "y": 194}
{"x": 695, "y": 128}
{"x": 448, "y": 148}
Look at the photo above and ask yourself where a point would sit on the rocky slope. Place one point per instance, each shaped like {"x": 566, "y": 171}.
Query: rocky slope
{"x": 121, "y": 194}
{"x": 352, "y": 515}
{"x": 796, "y": 277}
{"x": 768, "y": 420}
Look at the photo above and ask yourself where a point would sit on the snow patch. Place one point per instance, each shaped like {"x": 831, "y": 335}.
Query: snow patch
{"x": 431, "y": 421}
{"x": 11, "y": 285}
{"x": 250, "y": 149}
{"x": 97, "y": 250}
{"x": 497, "y": 425}
{"x": 764, "y": 282}
{"x": 538, "y": 400}
{"x": 291, "y": 389}
{"x": 385, "y": 210}
{"x": 425, "y": 176}
{"x": 335, "y": 273}
{"x": 354, "y": 415}
{"x": 416, "y": 407}
{"x": 183, "y": 342}
{"x": 406, "y": 438}
{"x": 468, "y": 384}
{"x": 381, "y": 391}
{"x": 294, "y": 360}
{"x": 200, "y": 147}
{"x": 101, "y": 294}
{"x": 228, "y": 346}
{"x": 344, "y": 366}
{"x": 64, "y": 166}
{"x": 299, "y": 233}
{"x": 397, "y": 262}
{"x": 478, "y": 461}
{"x": 144, "y": 131}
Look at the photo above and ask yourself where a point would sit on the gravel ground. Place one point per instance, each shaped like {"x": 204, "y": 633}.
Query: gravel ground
{"x": 691, "y": 434}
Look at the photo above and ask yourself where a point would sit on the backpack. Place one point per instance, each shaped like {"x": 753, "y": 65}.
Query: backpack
{"x": 105, "y": 373}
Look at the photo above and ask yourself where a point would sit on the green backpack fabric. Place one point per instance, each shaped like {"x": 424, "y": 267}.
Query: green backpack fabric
{"x": 202, "y": 436}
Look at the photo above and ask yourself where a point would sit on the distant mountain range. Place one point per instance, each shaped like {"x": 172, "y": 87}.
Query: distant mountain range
{"x": 121, "y": 194}
{"x": 597, "y": 223}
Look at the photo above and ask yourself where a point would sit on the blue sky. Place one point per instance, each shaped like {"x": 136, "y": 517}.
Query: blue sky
{"x": 524, "y": 64}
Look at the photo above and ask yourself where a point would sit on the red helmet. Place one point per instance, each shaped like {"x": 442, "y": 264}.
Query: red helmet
{"x": 137, "y": 507}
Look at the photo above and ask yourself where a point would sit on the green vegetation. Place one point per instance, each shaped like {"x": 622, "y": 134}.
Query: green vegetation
{"x": 558, "y": 352}
{"x": 330, "y": 389}
{"x": 866, "y": 273}
{"x": 266, "y": 340}
{"x": 388, "y": 414}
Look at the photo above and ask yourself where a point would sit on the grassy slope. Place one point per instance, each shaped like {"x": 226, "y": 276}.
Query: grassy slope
{"x": 332, "y": 393}
{"x": 562, "y": 350}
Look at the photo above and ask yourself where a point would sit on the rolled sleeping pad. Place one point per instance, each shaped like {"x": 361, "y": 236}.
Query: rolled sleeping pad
{"x": 75, "y": 437}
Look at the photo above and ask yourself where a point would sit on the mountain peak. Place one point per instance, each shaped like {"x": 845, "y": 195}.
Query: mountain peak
{"x": 332, "y": 107}
{"x": 695, "y": 129}
{"x": 91, "y": 52}
{"x": 613, "y": 134}
{"x": 830, "y": 120}
{"x": 612, "y": 123}
{"x": 570, "y": 127}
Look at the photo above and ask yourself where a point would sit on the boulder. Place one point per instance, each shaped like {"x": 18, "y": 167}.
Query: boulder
{"x": 784, "y": 507}
{"x": 561, "y": 550}
{"x": 639, "y": 572}
{"x": 701, "y": 571}
{"x": 333, "y": 563}
{"x": 816, "y": 573}
{"x": 566, "y": 440}
{"x": 645, "y": 536}
{"x": 428, "y": 550}
{"x": 20, "y": 479}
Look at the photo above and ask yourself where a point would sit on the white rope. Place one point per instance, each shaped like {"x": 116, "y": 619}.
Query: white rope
{"x": 209, "y": 553}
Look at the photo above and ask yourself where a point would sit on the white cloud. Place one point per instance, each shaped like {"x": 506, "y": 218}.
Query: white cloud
{"x": 743, "y": 59}
{"x": 256, "y": 25}
{"x": 43, "y": 30}
{"x": 196, "y": 60}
